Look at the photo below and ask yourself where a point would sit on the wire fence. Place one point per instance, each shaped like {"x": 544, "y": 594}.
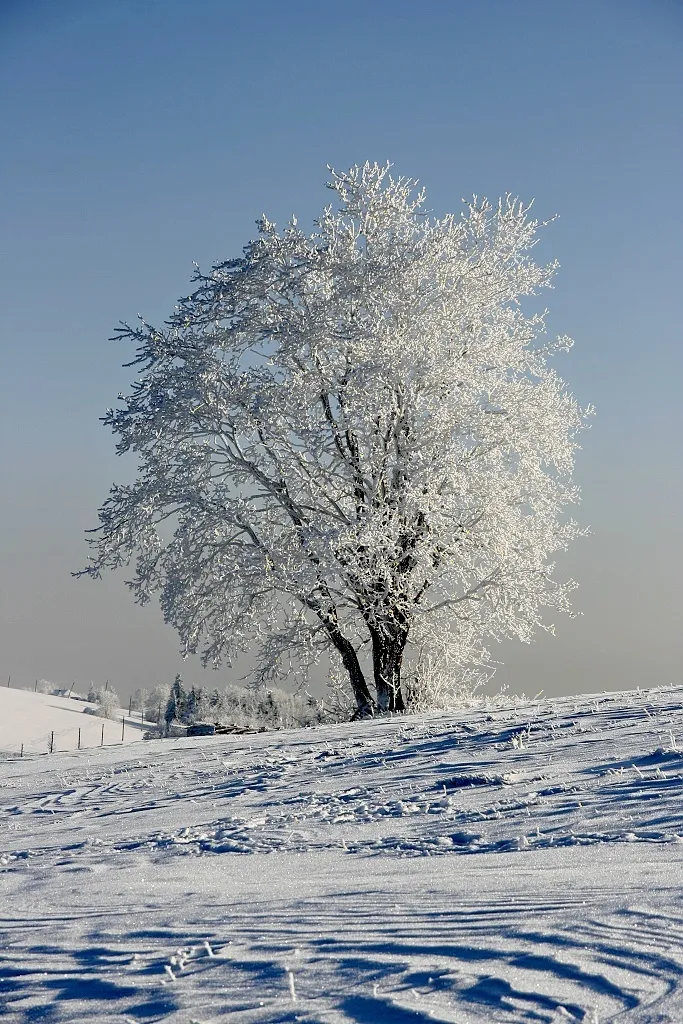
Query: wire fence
{"x": 97, "y": 732}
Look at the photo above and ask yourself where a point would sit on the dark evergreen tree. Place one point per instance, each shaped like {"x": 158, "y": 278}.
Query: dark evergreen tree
{"x": 176, "y": 708}
{"x": 191, "y": 706}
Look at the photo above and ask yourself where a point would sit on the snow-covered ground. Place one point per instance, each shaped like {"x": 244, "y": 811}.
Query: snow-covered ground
{"x": 30, "y": 719}
{"x": 491, "y": 866}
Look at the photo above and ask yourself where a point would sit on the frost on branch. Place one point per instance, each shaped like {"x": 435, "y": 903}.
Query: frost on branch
{"x": 350, "y": 441}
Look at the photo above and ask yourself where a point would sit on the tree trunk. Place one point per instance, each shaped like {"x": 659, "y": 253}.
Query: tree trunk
{"x": 365, "y": 705}
{"x": 388, "y": 645}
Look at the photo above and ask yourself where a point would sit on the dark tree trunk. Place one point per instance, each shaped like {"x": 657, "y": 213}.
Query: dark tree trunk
{"x": 365, "y": 705}
{"x": 388, "y": 645}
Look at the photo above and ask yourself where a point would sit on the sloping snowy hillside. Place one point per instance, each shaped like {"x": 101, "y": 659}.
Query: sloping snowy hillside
{"x": 492, "y": 866}
{"x": 30, "y": 719}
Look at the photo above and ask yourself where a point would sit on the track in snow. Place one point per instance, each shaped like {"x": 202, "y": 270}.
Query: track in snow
{"x": 515, "y": 865}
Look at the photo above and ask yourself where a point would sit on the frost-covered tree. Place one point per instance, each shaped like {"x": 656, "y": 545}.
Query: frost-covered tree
{"x": 351, "y": 441}
{"x": 139, "y": 699}
{"x": 155, "y": 704}
{"x": 198, "y": 705}
{"x": 107, "y": 700}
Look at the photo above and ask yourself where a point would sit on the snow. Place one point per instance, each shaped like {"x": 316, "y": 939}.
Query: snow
{"x": 509, "y": 865}
{"x": 29, "y": 718}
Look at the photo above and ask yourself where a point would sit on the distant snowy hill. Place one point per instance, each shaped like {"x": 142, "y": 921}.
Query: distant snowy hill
{"x": 30, "y": 718}
{"x": 502, "y": 866}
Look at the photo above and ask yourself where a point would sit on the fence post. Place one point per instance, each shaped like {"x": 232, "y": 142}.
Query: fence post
{"x": 79, "y": 739}
{"x": 35, "y": 688}
{"x": 102, "y": 740}
{"x": 123, "y": 727}
{"x": 8, "y": 679}
{"x": 52, "y": 741}
{"x": 22, "y": 750}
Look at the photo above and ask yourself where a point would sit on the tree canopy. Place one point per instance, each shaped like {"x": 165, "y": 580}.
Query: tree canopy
{"x": 351, "y": 441}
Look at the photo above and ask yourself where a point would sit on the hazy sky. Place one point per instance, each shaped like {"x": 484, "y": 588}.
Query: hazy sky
{"x": 138, "y": 137}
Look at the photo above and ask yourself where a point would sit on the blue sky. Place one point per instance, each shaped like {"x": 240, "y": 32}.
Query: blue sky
{"x": 138, "y": 137}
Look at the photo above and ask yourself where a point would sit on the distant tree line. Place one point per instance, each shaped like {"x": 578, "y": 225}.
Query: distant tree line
{"x": 169, "y": 707}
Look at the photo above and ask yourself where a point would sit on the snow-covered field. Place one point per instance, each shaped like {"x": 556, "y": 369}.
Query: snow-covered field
{"x": 30, "y": 719}
{"x": 498, "y": 866}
